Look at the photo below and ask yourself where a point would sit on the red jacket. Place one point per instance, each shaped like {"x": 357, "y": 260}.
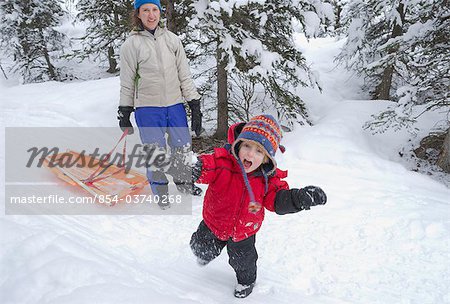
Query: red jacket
{"x": 225, "y": 207}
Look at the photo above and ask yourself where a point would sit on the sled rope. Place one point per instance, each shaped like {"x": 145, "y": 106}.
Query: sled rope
{"x": 95, "y": 176}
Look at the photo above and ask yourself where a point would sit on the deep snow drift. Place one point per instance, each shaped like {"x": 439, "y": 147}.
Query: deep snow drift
{"x": 383, "y": 236}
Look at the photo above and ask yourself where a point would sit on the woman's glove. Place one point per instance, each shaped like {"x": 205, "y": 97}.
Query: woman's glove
{"x": 196, "y": 116}
{"x": 123, "y": 115}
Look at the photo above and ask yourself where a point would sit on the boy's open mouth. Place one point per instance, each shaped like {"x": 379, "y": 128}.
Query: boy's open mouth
{"x": 247, "y": 164}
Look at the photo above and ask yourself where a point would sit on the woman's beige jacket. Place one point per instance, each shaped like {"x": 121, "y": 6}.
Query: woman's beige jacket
{"x": 154, "y": 70}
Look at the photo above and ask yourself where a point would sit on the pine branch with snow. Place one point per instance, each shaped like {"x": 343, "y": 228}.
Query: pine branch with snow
{"x": 401, "y": 49}
{"x": 29, "y": 36}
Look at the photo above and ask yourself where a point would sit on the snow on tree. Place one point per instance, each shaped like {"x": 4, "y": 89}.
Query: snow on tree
{"x": 30, "y": 38}
{"x": 251, "y": 41}
{"x": 340, "y": 11}
{"x": 108, "y": 26}
{"x": 401, "y": 48}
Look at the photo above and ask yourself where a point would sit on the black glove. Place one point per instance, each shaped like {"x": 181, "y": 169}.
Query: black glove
{"x": 123, "y": 115}
{"x": 308, "y": 196}
{"x": 196, "y": 116}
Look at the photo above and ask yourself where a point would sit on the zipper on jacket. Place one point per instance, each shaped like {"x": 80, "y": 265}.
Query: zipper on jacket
{"x": 136, "y": 82}
{"x": 161, "y": 68}
{"x": 236, "y": 219}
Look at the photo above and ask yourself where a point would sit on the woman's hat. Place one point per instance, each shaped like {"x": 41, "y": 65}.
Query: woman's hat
{"x": 138, "y": 3}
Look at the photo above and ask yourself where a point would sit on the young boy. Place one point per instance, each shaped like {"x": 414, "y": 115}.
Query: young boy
{"x": 242, "y": 179}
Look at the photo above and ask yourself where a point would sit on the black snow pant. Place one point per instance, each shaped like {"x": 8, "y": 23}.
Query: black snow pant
{"x": 242, "y": 255}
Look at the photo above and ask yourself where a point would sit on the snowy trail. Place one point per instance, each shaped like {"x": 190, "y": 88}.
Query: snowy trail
{"x": 87, "y": 249}
{"x": 380, "y": 236}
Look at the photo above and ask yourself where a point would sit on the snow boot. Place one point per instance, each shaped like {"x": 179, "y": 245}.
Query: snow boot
{"x": 162, "y": 197}
{"x": 160, "y": 188}
{"x": 164, "y": 204}
{"x": 243, "y": 291}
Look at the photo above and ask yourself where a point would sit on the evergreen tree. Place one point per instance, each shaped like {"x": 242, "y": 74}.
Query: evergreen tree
{"x": 29, "y": 37}
{"x": 370, "y": 47}
{"x": 425, "y": 73}
{"x": 341, "y": 22}
{"x": 108, "y": 26}
{"x": 170, "y": 15}
{"x": 401, "y": 48}
{"x": 251, "y": 41}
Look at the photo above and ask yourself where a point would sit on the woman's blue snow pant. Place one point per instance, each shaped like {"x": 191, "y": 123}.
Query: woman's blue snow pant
{"x": 154, "y": 123}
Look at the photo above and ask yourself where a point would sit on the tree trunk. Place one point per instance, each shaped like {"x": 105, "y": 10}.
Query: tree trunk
{"x": 112, "y": 61}
{"x": 3, "y": 71}
{"x": 51, "y": 68}
{"x": 338, "y": 11}
{"x": 444, "y": 157}
{"x": 222, "y": 96}
{"x": 383, "y": 89}
{"x": 170, "y": 16}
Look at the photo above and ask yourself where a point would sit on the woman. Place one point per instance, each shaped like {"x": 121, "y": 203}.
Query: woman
{"x": 154, "y": 79}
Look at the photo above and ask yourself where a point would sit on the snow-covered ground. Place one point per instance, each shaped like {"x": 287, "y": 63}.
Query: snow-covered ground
{"x": 383, "y": 236}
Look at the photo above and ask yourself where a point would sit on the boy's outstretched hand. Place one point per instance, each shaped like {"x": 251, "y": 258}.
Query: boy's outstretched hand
{"x": 317, "y": 195}
{"x": 295, "y": 200}
{"x": 309, "y": 196}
